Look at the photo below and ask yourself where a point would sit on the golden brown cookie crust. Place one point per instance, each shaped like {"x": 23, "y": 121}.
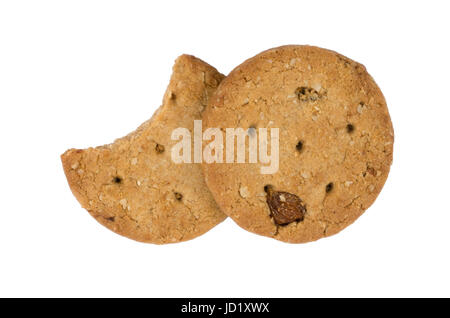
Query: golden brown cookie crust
{"x": 133, "y": 187}
{"x": 333, "y": 108}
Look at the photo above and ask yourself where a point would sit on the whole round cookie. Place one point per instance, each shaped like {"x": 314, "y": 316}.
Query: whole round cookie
{"x": 335, "y": 143}
{"x": 133, "y": 187}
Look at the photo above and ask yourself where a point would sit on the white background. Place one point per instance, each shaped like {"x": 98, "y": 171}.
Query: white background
{"x": 81, "y": 73}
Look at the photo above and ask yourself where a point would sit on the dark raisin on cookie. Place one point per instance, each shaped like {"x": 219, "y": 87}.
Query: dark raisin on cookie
{"x": 329, "y": 187}
{"x": 307, "y": 94}
{"x": 178, "y": 196}
{"x": 299, "y": 146}
{"x": 285, "y": 207}
{"x": 350, "y": 128}
{"x": 117, "y": 180}
{"x": 159, "y": 148}
{"x": 268, "y": 188}
{"x": 372, "y": 171}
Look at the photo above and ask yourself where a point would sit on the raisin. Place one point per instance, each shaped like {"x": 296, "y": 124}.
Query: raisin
{"x": 350, "y": 128}
{"x": 329, "y": 187}
{"x": 307, "y": 94}
{"x": 117, "y": 180}
{"x": 268, "y": 188}
{"x": 178, "y": 196}
{"x": 299, "y": 146}
{"x": 285, "y": 207}
{"x": 372, "y": 171}
{"x": 159, "y": 148}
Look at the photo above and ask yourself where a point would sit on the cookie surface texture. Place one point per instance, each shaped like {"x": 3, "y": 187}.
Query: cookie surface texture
{"x": 133, "y": 187}
{"x": 335, "y": 143}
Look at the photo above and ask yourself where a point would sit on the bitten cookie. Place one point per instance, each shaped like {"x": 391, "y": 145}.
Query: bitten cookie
{"x": 335, "y": 143}
{"x": 132, "y": 186}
